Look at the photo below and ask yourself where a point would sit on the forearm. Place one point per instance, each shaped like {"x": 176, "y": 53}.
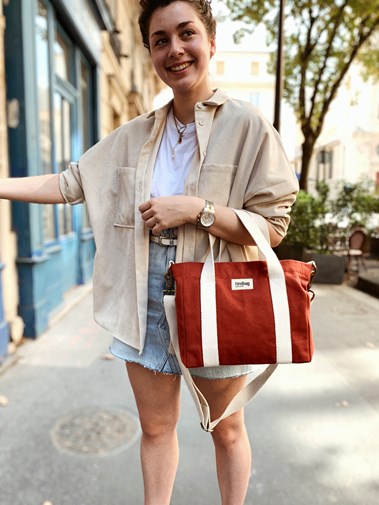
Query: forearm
{"x": 228, "y": 227}
{"x": 36, "y": 189}
{"x": 170, "y": 211}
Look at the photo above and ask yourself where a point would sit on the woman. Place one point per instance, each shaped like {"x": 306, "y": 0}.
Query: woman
{"x": 154, "y": 189}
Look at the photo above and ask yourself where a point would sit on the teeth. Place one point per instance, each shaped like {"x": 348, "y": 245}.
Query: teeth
{"x": 180, "y": 67}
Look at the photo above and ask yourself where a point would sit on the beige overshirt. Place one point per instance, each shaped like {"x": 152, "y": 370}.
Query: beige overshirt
{"x": 240, "y": 163}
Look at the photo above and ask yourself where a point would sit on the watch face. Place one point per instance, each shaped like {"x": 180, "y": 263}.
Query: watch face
{"x": 207, "y": 219}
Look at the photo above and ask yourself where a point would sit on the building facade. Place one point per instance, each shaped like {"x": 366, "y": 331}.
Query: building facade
{"x": 242, "y": 70}
{"x": 348, "y": 147}
{"x": 8, "y": 304}
{"x": 74, "y": 71}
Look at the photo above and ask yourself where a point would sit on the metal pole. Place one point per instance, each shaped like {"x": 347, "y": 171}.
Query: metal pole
{"x": 279, "y": 67}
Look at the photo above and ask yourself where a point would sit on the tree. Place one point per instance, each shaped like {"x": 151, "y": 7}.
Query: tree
{"x": 322, "y": 39}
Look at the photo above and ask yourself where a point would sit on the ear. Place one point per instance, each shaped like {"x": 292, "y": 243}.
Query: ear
{"x": 213, "y": 47}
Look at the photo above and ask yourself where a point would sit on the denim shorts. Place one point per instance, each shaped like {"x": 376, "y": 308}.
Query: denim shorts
{"x": 156, "y": 355}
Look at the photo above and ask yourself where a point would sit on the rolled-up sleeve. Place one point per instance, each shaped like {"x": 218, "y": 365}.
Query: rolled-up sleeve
{"x": 275, "y": 209}
{"x": 70, "y": 184}
{"x": 273, "y": 186}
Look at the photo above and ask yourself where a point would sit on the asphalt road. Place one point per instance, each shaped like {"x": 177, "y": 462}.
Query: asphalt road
{"x": 69, "y": 434}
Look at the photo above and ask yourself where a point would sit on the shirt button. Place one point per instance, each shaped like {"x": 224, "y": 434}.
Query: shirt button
{"x": 200, "y": 123}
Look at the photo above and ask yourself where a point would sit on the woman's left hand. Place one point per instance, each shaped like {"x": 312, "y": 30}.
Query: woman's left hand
{"x": 170, "y": 211}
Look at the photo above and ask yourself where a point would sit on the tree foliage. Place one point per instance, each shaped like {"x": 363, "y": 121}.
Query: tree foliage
{"x": 322, "y": 39}
{"x": 322, "y": 223}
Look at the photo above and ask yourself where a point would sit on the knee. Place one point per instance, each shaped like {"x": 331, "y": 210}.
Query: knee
{"x": 229, "y": 432}
{"x": 157, "y": 428}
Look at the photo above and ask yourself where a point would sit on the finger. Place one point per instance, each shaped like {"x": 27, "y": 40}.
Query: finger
{"x": 144, "y": 206}
{"x": 152, "y": 223}
{"x": 149, "y": 213}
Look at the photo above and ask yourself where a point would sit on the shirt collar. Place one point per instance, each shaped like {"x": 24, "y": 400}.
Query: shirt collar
{"x": 218, "y": 98}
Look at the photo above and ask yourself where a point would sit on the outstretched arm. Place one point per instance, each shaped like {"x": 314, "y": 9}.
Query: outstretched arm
{"x": 35, "y": 189}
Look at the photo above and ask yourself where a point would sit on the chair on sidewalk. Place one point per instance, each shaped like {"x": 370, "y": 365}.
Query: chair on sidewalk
{"x": 356, "y": 243}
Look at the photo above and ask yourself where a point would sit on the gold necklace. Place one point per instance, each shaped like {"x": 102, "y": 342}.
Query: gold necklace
{"x": 180, "y": 130}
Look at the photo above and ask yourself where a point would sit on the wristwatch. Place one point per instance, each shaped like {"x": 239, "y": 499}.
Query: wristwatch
{"x": 207, "y": 216}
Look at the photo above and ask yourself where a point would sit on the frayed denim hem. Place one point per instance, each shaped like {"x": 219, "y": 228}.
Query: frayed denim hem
{"x": 150, "y": 368}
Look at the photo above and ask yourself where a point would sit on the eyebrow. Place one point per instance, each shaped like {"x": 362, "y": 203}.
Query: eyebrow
{"x": 180, "y": 25}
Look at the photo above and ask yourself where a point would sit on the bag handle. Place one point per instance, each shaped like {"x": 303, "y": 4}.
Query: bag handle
{"x": 278, "y": 291}
{"x": 251, "y": 389}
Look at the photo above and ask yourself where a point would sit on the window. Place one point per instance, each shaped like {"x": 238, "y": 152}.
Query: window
{"x": 324, "y": 165}
{"x": 63, "y": 153}
{"x": 220, "y": 67}
{"x": 85, "y": 105}
{"x": 63, "y": 57}
{"x": 254, "y": 68}
{"x": 44, "y": 117}
{"x": 86, "y": 118}
{"x": 65, "y": 87}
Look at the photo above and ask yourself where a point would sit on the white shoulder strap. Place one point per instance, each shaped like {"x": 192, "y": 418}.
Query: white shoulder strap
{"x": 255, "y": 225}
{"x": 239, "y": 401}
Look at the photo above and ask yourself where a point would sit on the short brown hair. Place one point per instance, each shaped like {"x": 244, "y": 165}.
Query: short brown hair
{"x": 202, "y": 7}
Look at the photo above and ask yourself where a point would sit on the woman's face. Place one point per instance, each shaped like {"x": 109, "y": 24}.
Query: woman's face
{"x": 180, "y": 49}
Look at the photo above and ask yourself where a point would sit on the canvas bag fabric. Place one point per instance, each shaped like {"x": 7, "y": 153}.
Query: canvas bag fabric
{"x": 244, "y": 313}
{"x": 259, "y": 313}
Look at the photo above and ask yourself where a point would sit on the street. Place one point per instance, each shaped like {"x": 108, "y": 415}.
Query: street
{"x": 69, "y": 433}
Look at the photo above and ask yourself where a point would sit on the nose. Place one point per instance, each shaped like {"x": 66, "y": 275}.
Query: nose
{"x": 176, "y": 47}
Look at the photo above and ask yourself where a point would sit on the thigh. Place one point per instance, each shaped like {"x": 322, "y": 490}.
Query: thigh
{"x": 219, "y": 392}
{"x": 157, "y": 395}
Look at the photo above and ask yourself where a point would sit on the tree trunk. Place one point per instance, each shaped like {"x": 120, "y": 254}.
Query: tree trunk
{"x": 307, "y": 148}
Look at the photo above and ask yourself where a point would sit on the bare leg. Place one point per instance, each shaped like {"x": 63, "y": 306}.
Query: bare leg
{"x": 158, "y": 403}
{"x": 233, "y": 453}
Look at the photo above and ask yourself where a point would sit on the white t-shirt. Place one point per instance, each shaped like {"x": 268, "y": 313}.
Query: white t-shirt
{"x": 174, "y": 160}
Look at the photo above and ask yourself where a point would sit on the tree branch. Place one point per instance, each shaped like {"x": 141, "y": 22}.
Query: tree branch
{"x": 333, "y": 34}
{"x": 362, "y": 39}
{"x": 304, "y": 55}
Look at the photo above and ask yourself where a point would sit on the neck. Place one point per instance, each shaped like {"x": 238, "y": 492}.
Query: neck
{"x": 184, "y": 105}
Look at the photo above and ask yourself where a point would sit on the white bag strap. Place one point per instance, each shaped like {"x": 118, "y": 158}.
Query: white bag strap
{"x": 240, "y": 400}
{"x": 209, "y": 323}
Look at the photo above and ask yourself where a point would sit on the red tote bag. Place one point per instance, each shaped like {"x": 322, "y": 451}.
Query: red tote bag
{"x": 233, "y": 313}
{"x": 240, "y": 313}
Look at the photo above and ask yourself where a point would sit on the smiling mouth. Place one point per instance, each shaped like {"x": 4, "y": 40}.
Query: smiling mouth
{"x": 178, "y": 68}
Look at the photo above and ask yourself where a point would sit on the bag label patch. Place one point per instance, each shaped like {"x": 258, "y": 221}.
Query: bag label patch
{"x": 238, "y": 284}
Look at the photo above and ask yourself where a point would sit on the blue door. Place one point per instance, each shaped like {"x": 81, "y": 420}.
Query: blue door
{"x": 52, "y": 79}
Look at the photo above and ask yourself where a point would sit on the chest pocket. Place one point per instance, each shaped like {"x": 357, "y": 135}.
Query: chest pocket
{"x": 215, "y": 182}
{"x": 125, "y": 199}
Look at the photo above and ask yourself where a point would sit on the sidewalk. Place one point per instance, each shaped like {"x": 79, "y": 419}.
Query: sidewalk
{"x": 70, "y": 436}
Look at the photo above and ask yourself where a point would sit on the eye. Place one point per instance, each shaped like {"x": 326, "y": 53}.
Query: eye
{"x": 160, "y": 42}
{"x": 188, "y": 33}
